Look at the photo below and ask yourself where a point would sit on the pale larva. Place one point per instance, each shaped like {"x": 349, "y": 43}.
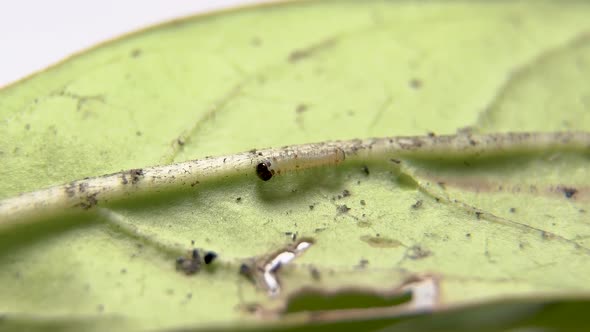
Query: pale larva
{"x": 290, "y": 160}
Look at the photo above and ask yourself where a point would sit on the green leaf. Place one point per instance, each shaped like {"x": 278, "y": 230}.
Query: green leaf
{"x": 482, "y": 228}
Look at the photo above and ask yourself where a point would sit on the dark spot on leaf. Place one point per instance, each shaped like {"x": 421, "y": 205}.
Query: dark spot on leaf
{"x": 417, "y": 252}
{"x": 239, "y": 199}
{"x": 363, "y": 224}
{"x": 363, "y": 263}
{"x": 415, "y": 83}
{"x": 512, "y": 210}
{"x": 189, "y": 265}
{"x": 314, "y": 272}
{"x": 189, "y": 296}
{"x": 138, "y": 133}
{"x": 345, "y": 193}
{"x": 547, "y": 235}
{"x": 123, "y": 271}
{"x": 478, "y": 214}
{"x": 71, "y": 189}
{"x": 311, "y": 207}
{"x": 363, "y": 203}
{"x": 468, "y": 235}
{"x": 569, "y": 192}
{"x": 417, "y": 205}
{"x": 27, "y": 126}
{"x": 180, "y": 141}
{"x": 88, "y": 201}
{"x": 365, "y": 170}
{"x": 301, "y": 108}
{"x": 209, "y": 257}
{"x": 135, "y": 53}
{"x": 431, "y": 134}
{"x": 300, "y": 54}
{"x": 136, "y": 175}
{"x": 380, "y": 242}
{"x": 342, "y": 208}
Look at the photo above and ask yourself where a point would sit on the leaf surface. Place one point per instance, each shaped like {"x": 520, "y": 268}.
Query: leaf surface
{"x": 487, "y": 228}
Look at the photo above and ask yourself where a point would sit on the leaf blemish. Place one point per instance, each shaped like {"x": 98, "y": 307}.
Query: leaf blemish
{"x": 300, "y": 54}
{"x": 365, "y": 170}
{"x": 569, "y": 192}
{"x": 380, "y": 242}
{"x": 342, "y": 209}
{"x": 417, "y": 205}
{"x": 417, "y": 252}
{"x": 136, "y": 175}
{"x": 135, "y": 53}
{"x": 190, "y": 264}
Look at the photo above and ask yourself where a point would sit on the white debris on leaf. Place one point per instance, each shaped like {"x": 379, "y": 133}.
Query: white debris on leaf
{"x": 275, "y": 264}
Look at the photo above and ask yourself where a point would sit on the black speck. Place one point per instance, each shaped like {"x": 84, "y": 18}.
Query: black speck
{"x": 311, "y": 207}
{"x": 345, "y": 193}
{"x": 417, "y": 205}
{"x": 180, "y": 141}
{"x": 342, "y": 208}
{"x": 315, "y": 273}
{"x": 363, "y": 203}
{"x": 415, "y": 83}
{"x": 263, "y": 172}
{"x": 239, "y": 199}
{"x": 366, "y": 170}
{"x": 468, "y": 235}
{"x": 71, "y": 189}
{"x": 431, "y": 134}
{"x": 245, "y": 270}
{"x": 395, "y": 161}
{"x": 193, "y": 242}
{"x": 569, "y": 192}
{"x": 301, "y": 108}
{"x": 135, "y": 53}
{"x": 136, "y": 175}
{"x": 417, "y": 252}
{"x": 512, "y": 210}
{"x": 478, "y": 214}
{"x": 189, "y": 265}
{"x": 363, "y": 263}
{"x": 209, "y": 257}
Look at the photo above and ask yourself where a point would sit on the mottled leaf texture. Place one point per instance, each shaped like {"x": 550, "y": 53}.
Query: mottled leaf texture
{"x": 498, "y": 240}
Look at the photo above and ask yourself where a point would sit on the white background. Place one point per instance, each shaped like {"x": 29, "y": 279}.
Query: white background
{"x": 38, "y": 33}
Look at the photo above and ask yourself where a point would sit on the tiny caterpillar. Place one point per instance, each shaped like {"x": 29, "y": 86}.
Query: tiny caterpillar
{"x": 292, "y": 160}
{"x": 88, "y": 193}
